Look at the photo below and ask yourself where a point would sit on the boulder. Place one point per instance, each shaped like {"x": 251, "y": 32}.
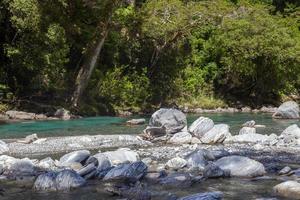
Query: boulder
{"x": 213, "y": 171}
{"x": 249, "y": 138}
{"x": 45, "y": 182}
{"x": 288, "y": 189}
{"x": 75, "y": 156}
{"x": 123, "y": 155}
{"x": 198, "y": 159}
{"x": 68, "y": 179}
{"x": 247, "y": 130}
{"x": 216, "y": 135}
{"x": 136, "y": 122}
{"x": 19, "y": 115}
{"x": 47, "y": 164}
{"x": 181, "y": 138}
{"x": 3, "y": 147}
{"x": 62, "y": 114}
{"x": 204, "y": 196}
{"x": 284, "y": 171}
{"x": 241, "y": 166}
{"x": 89, "y": 169}
{"x": 29, "y": 139}
{"x": 291, "y": 134}
{"x": 127, "y": 172}
{"x": 103, "y": 161}
{"x": 171, "y": 120}
{"x": 177, "y": 180}
{"x": 249, "y": 124}
{"x": 287, "y": 110}
{"x": 176, "y": 163}
{"x": 22, "y": 167}
{"x": 201, "y": 126}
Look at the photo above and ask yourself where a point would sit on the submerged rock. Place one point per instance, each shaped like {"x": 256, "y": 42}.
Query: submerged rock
{"x": 136, "y": 122}
{"x": 127, "y": 172}
{"x": 287, "y": 110}
{"x": 176, "y": 163}
{"x": 204, "y": 196}
{"x": 213, "y": 171}
{"x": 181, "y": 138}
{"x": 241, "y": 166}
{"x": 289, "y": 189}
{"x": 75, "y": 156}
{"x": 216, "y": 135}
{"x": 250, "y": 124}
{"x": 201, "y": 126}
{"x": 171, "y": 120}
{"x": 177, "y": 180}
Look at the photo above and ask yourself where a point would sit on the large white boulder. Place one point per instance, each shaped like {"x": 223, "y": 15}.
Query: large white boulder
{"x": 201, "y": 126}
{"x": 216, "y": 135}
{"x": 288, "y": 189}
{"x": 287, "y": 110}
{"x": 241, "y": 166}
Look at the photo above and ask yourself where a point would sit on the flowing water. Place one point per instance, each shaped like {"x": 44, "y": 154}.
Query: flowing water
{"x": 233, "y": 189}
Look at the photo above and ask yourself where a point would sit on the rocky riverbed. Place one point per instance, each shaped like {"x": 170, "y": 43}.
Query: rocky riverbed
{"x": 165, "y": 162}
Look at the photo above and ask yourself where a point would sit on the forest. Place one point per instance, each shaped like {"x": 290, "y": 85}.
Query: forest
{"x": 102, "y": 56}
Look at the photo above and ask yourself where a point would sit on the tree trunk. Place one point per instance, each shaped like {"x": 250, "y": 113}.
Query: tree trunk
{"x": 87, "y": 68}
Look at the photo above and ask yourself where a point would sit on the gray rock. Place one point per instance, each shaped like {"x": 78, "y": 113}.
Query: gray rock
{"x": 130, "y": 192}
{"x": 22, "y": 167}
{"x": 136, "y": 122}
{"x": 45, "y": 182}
{"x": 171, "y": 119}
{"x": 204, "y": 196}
{"x": 241, "y": 166}
{"x": 291, "y": 134}
{"x": 68, "y": 179}
{"x": 29, "y": 139}
{"x": 198, "y": 159}
{"x": 103, "y": 161}
{"x": 62, "y": 114}
{"x": 287, "y": 110}
{"x": 181, "y": 138}
{"x": 127, "y": 172}
{"x": 75, "y": 156}
{"x": 213, "y": 171}
{"x": 247, "y": 130}
{"x": 201, "y": 126}
{"x": 3, "y": 147}
{"x": 19, "y": 115}
{"x": 250, "y": 124}
{"x": 268, "y": 109}
{"x": 285, "y": 170}
{"x": 289, "y": 189}
{"x": 176, "y": 163}
{"x": 87, "y": 170}
{"x": 47, "y": 164}
{"x": 177, "y": 180}
{"x": 195, "y": 140}
{"x": 216, "y": 135}
{"x": 249, "y": 138}
{"x": 62, "y": 181}
{"x": 123, "y": 155}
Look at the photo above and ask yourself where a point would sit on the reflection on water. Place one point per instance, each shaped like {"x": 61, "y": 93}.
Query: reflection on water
{"x": 116, "y": 125}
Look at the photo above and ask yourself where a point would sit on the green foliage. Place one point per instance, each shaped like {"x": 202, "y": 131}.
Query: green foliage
{"x": 124, "y": 91}
{"x": 197, "y": 53}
